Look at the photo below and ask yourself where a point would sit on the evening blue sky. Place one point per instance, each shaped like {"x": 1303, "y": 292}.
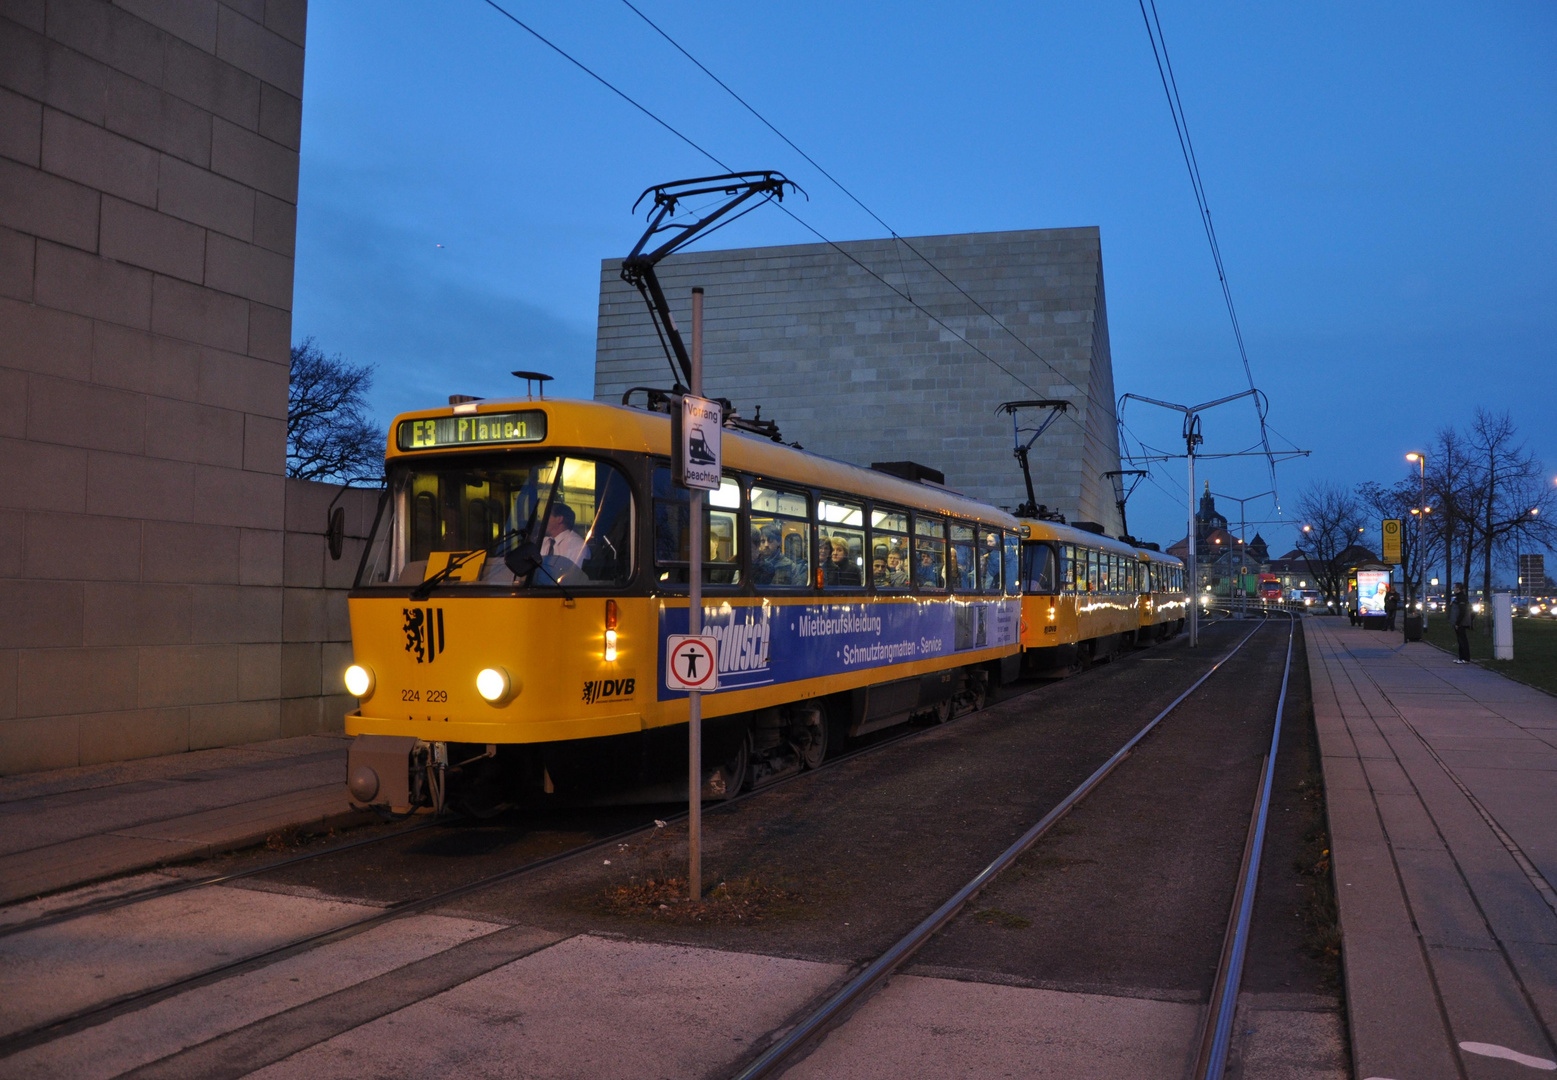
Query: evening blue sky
{"x": 1382, "y": 183}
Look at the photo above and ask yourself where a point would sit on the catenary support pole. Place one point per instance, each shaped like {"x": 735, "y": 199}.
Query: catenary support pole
{"x": 1194, "y": 576}
{"x": 695, "y": 627}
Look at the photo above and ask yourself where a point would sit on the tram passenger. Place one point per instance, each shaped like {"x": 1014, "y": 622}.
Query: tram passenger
{"x": 929, "y": 573}
{"x": 878, "y": 565}
{"x": 956, "y": 577}
{"x": 839, "y": 569}
{"x": 991, "y": 559}
{"x": 770, "y": 566}
{"x": 897, "y": 573}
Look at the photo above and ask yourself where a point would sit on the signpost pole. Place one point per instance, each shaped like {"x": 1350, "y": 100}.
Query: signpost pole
{"x": 694, "y": 628}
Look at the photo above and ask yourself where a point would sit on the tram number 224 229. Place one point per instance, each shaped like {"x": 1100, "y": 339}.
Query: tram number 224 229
{"x": 431, "y": 696}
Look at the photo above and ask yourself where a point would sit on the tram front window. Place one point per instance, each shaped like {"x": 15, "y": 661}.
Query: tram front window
{"x": 577, "y": 513}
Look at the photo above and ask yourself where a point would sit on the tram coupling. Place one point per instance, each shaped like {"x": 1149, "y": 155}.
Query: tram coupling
{"x": 398, "y": 774}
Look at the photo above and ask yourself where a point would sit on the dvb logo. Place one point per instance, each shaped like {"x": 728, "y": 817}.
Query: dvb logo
{"x": 596, "y": 690}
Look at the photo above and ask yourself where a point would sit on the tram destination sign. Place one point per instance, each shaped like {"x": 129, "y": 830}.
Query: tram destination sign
{"x": 479, "y": 429}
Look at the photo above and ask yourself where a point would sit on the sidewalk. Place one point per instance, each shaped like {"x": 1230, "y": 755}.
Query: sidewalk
{"x": 1441, "y": 782}
{"x": 70, "y": 826}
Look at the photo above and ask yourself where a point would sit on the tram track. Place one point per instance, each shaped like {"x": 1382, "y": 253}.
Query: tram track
{"x": 104, "y": 1011}
{"x": 795, "y": 1039}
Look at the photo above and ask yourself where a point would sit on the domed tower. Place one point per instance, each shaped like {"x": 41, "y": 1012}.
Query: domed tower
{"x": 1207, "y": 520}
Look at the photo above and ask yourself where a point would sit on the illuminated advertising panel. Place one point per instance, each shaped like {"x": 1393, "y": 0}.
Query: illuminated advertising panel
{"x": 1372, "y": 585}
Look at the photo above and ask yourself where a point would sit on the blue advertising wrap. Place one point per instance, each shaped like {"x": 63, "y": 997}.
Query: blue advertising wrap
{"x": 765, "y": 643}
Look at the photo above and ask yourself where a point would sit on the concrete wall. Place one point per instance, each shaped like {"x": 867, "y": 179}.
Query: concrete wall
{"x": 152, "y": 597}
{"x": 851, "y": 370}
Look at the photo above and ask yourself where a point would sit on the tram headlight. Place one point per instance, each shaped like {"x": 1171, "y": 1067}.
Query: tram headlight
{"x": 494, "y": 685}
{"x": 359, "y": 681}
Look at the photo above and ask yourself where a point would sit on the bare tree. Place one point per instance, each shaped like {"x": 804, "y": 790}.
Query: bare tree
{"x": 330, "y": 435}
{"x": 1330, "y": 518}
{"x": 1513, "y": 494}
{"x": 1451, "y": 492}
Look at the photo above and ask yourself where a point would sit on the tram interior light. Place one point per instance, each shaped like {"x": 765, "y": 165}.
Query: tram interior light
{"x": 359, "y": 681}
{"x": 493, "y": 685}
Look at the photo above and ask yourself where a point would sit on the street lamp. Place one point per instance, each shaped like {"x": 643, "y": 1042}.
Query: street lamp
{"x": 1420, "y": 460}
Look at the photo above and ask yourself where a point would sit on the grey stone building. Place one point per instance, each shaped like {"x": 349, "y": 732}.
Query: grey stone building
{"x": 163, "y": 586}
{"x": 851, "y": 369}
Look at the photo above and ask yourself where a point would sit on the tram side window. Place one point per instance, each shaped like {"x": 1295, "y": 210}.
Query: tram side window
{"x": 1068, "y": 568}
{"x": 1013, "y": 546}
{"x": 1090, "y": 584}
{"x": 989, "y": 560}
{"x": 890, "y": 555}
{"x": 672, "y": 537}
{"x": 841, "y": 544}
{"x": 929, "y": 552}
{"x": 961, "y": 573}
{"x": 1040, "y": 575}
{"x": 780, "y": 538}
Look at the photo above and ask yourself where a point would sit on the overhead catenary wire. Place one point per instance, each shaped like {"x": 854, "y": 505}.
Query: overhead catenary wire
{"x": 801, "y": 221}
{"x": 1170, "y": 88}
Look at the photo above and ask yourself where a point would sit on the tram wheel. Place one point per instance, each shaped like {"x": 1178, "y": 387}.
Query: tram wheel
{"x": 978, "y": 694}
{"x": 736, "y": 770}
{"x": 808, "y": 734}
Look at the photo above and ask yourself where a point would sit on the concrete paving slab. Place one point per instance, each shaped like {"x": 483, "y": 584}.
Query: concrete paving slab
{"x": 1279, "y": 1040}
{"x": 83, "y": 777}
{"x": 63, "y": 828}
{"x": 56, "y": 970}
{"x": 1485, "y": 1004}
{"x": 34, "y": 823}
{"x": 193, "y": 1018}
{"x": 939, "y": 1028}
{"x": 87, "y": 859}
{"x": 1467, "y": 958}
{"x": 1442, "y": 907}
{"x": 588, "y": 1007}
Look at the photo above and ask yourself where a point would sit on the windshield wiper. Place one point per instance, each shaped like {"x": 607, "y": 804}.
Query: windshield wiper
{"x": 522, "y": 561}
{"x": 424, "y": 590}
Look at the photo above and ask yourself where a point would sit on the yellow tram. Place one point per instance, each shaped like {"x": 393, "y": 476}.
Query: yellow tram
{"x": 1086, "y": 596}
{"x": 529, "y": 558}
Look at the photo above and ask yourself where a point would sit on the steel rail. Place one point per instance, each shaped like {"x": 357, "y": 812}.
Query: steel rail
{"x": 815, "y": 1024}
{"x": 1216, "y": 1036}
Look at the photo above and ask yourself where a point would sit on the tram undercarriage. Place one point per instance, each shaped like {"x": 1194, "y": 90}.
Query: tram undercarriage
{"x": 397, "y": 775}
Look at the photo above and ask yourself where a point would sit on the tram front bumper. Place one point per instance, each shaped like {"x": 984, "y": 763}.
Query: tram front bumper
{"x": 378, "y": 770}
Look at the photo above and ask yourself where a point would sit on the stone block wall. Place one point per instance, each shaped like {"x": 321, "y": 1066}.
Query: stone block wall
{"x": 851, "y": 369}
{"x": 162, "y": 584}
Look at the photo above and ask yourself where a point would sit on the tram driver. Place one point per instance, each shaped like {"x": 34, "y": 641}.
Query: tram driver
{"x": 562, "y": 549}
